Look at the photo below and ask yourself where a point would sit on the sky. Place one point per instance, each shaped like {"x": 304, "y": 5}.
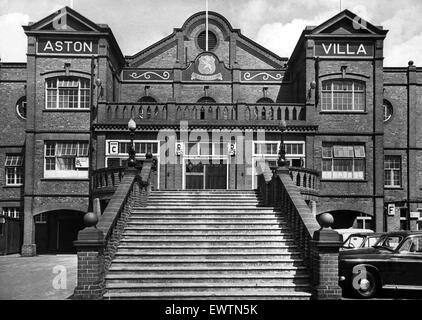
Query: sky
{"x": 275, "y": 24}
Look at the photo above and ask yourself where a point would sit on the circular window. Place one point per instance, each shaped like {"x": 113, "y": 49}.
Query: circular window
{"x": 388, "y": 110}
{"x": 212, "y": 41}
{"x": 21, "y": 107}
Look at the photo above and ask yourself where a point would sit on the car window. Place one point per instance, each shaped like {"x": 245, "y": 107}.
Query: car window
{"x": 370, "y": 241}
{"x": 412, "y": 245}
{"x": 391, "y": 242}
{"x": 353, "y": 242}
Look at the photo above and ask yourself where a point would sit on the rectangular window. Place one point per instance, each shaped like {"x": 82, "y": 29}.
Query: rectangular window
{"x": 66, "y": 159}
{"x": 118, "y": 157}
{"x": 14, "y": 170}
{"x": 392, "y": 171}
{"x": 11, "y": 212}
{"x": 364, "y": 221}
{"x": 40, "y": 218}
{"x": 67, "y": 93}
{"x": 343, "y": 95}
{"x": 403, "y": 219}
{"x": 343, "y": 162}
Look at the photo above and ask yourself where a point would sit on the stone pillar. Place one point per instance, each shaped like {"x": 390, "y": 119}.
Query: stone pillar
{"x": 90, "y": 249}
{"x": 314, "y": 207}
{"x": 325, "y": 251}
{"x": 29, "y": 249}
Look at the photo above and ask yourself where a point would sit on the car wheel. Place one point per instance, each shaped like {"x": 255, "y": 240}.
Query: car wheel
{"x": 365, "y": 287}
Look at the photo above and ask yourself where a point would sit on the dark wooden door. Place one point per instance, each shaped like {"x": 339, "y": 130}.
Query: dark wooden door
{"x": 216, "y": 176}
{"x": 194, "y": 175}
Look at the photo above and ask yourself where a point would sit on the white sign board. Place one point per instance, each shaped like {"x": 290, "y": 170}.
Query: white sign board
{"x": 81, "y": 162}
{"x": 391, "y": 209}
{"x": 113, "y": 147}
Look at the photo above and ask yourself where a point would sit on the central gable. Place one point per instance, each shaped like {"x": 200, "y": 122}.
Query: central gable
{"x": 347, "y": 23}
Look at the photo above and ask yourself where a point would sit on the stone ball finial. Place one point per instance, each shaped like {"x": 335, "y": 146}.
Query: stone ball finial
{"x": 326, "y": 220}
{"x": 148, "y": 155}
{"x": 90, "y": 219}
{"x": 410, "y": 63}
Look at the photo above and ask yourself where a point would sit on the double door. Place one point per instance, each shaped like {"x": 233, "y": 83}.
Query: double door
{"x": 205, "y": 175}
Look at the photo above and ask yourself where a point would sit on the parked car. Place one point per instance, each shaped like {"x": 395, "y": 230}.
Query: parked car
{"x": 394, "y": 262}
{"x": 361, "y": 240}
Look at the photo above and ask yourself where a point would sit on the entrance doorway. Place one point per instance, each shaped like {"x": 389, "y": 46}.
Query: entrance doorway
{"x": 208, "y": 175}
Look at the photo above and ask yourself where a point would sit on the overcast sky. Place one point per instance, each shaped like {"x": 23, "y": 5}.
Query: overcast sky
{"x": 275, "y": 24}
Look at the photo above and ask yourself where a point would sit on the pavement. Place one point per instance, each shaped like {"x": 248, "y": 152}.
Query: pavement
{"x": 43, "y": 277}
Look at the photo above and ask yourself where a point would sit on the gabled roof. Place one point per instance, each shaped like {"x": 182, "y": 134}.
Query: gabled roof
{"x": 346, "y": 22}
{"x": 65, "y": 19}
{"x": 68, "y": 21}
{"x": 199, "y": 18}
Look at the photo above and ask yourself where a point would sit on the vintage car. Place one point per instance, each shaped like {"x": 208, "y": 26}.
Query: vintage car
{"x": 394, "y": 262}
{"x": 361, "y": 240}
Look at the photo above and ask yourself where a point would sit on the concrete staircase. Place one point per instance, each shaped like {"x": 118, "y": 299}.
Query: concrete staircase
{"x": 207, "y": 244}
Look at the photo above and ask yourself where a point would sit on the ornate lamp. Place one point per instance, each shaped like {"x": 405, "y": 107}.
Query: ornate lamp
{"x": 281, "y": 162}
{"x": 132, "y": 127}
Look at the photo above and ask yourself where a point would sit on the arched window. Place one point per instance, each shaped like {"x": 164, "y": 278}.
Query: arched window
{"x": 265, "y": 100}
{"x": 21, "y": 107}
{"x": 67, "y": 93}
{"x": 388, "y": 110}
{"x": 206, "y": 100}
{"x": 147, "y": 99}
{"x": 212, "y": 40}
{"x": 343, "y": 95}
{"x": 202, "y": 114}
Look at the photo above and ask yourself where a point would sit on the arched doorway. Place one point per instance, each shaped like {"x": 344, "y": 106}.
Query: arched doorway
{"x": 56, "y": 230}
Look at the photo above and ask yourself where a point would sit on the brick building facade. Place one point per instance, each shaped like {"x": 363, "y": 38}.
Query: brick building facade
{"x": 210, "y": 117}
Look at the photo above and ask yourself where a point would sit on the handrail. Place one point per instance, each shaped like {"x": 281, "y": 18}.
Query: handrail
{"x": 280, "y": 190}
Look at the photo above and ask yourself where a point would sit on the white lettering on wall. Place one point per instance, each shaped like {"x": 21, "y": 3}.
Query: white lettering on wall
{"x": 343, "y": 49}
{"x": 68, "y": 46}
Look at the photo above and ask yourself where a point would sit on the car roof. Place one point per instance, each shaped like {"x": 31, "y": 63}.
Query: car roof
{"x": 403, "y": 233}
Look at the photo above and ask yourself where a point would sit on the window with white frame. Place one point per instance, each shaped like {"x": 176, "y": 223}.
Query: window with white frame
{"x": 117, "y": 151}
{"x": 295, "y": 151}
{"x": 343, "y": 162}
{"x": 207, "y": 149}
{"x": 67, "y": 93}
{"x": 392, "y": 171}
{"x": 343, "y": 95}
{"x": 66, "y": 159}
{"x": 12, "y": 212}
{"x": 364, "y": 221}
{"x": 14, "y": 170}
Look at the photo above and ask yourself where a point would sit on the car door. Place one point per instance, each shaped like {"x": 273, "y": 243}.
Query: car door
{"x": 407, "y": 263}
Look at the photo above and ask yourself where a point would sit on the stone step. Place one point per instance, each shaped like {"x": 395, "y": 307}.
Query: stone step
{"x": 239, "y": 209}
{"x": 129, "y": 231}
{"x": 132, "y": 265}
{"x": 205, "y": 228}
{"x": 200, "y": 214}
{"x": 205, "y": 286}
{"x": 205, "y": 248}
{"x": 194, "y": 225}
{"x": 208, "y": 238}
{"x": 217, "y": 197}
{"x": 203, "y": 220}
{"x": 200, "y": 278}
{"x": 206, "y": 256}
{"x": 220, "y": 294}
{"x": 205, "y": 192}
{"x": 208, "y": 270}
{"x": 220, "y": 242}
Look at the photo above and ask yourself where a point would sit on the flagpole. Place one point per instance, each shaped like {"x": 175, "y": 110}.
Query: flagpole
{"x": 206, "y": 25}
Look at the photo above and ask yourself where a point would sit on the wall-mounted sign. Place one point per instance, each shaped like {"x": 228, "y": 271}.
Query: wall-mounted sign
{"x": 67, "y": 46}
{"x": 391, "y": 210}
{"x": 180, "y": 148}
{"x": 332, "y": 48}
{"x": 148, "y": 75}
{"x": 207, "y": 67}
{"x": 232, "y": 149}
{"x": 81, "y": 162}
{"x": 113, "y": 147}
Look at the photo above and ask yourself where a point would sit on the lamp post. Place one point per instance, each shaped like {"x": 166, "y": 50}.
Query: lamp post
{"x": 281, "y": 162}
{"x": 132, "y": 127}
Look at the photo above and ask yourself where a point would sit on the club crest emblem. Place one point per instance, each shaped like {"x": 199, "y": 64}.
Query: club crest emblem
{"x": 206, "y": 64}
